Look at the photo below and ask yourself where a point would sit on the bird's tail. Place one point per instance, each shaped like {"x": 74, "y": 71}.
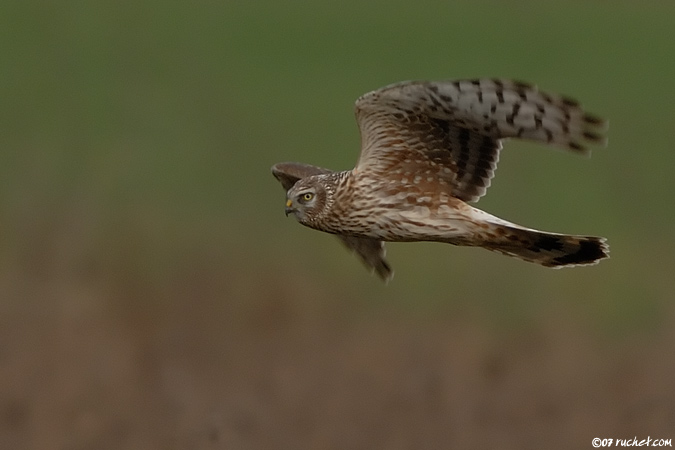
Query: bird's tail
{"x": 547, "y": 249}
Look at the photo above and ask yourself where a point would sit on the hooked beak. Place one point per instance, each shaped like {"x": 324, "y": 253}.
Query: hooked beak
{"x": 289, "y": 207}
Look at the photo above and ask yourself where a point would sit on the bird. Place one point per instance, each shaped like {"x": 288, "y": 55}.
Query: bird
{"x": 428, "y": 150}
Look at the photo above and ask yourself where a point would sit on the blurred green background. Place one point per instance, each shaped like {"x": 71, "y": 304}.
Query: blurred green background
{"x": 153, "y": 295}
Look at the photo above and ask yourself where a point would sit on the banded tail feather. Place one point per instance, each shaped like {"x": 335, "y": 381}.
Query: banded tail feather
{"x": 549, "y": 249}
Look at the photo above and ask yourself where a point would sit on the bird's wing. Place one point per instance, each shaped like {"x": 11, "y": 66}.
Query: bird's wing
{"x": 288, "y": 173}
{"x": 371, "y": 252}
{"x": 450, "y": 132}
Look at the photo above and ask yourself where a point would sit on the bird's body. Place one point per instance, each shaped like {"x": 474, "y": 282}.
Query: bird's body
{"x": 428, "y": 148}
{"x": 409, "y": 214}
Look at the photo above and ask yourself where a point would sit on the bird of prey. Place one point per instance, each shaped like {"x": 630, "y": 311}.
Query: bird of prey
{"x": 428, "y": 149}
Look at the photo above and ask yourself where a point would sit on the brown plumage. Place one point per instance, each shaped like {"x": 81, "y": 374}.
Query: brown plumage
{"x": 428, "y": 148}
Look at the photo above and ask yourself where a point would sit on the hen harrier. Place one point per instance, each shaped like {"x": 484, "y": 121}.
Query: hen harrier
{"x": 428, "y": 148}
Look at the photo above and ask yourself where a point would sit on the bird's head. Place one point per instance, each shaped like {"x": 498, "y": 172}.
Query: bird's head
{"x": 308, "y": 200}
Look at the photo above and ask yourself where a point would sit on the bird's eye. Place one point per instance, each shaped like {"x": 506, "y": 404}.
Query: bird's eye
{"x": 307, "y": 196}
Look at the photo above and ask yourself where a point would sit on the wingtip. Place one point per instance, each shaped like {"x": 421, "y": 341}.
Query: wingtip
{"x": 384, "y": 272}
{"x": 277, "y": 169}
{"x": 386, "y": 279}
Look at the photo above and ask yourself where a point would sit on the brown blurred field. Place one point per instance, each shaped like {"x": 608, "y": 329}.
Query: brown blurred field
{"x": 154, "y": 296}
{"x": 206, "y": 361}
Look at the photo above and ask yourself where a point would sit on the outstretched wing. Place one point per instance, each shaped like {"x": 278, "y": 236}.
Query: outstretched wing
{"x": 451, "y": 132}
{"x": 288, "y": 173}
{"x": 370, "y": 251}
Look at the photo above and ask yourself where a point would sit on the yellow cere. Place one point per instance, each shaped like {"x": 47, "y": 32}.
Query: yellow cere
{"x": 289, "y": 203}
